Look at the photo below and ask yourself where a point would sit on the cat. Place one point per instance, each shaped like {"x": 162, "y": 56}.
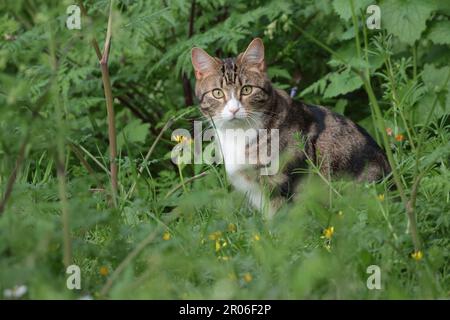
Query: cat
{"x": 236, "y": 93}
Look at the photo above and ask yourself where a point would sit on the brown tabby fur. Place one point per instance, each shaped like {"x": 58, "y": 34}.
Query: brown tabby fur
{"x": 331, "y": 141}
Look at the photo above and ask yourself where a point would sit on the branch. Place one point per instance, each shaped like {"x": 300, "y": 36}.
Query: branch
{"x": 12, "y": 178}
{"x": 103, "y": 59}
{"x": 76, "y": 150}
{"x": 107, "y": 45}
{"x": 93, "y": 40}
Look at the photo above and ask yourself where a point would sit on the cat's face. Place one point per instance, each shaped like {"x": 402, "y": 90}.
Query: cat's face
{"x": 234, "y": 92}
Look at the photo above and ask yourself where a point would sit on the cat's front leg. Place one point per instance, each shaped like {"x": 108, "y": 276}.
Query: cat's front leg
{"x": 258, "y": 192}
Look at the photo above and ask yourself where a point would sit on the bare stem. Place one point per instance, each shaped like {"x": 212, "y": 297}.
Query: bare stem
{"x": 12, "y": 178}
{"x": 103, "y": 60}
{"x": 79, "y": 155}
{"x": 191, "y": 179}
{"x": 60, "y": 161}
{"x": 111, "y": 129}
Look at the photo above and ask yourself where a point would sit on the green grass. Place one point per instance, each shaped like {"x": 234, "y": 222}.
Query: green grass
{"x": 205, "y": 242}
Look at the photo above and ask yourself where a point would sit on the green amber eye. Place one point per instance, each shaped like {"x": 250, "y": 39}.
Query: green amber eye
{"x": 246, "y": 90}
{"x": 217, "y": 93}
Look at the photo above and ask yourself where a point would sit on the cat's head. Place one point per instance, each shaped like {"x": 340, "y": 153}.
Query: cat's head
{"x": 234, "y": 92}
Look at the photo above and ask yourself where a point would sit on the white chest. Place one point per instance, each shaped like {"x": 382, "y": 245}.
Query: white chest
{"x": 234, "y": 148}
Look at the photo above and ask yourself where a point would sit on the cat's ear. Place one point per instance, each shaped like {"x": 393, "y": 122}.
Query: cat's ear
{"x": 203, "y": 63}
{"x": 254, "y": 55}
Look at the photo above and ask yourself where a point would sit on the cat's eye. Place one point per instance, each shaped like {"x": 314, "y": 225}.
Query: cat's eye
{"x": 217, "y": 93}
{"x": 246, "y": 90}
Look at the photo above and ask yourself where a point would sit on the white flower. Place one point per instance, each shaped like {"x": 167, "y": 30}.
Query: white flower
{"x": 16, "y": 292}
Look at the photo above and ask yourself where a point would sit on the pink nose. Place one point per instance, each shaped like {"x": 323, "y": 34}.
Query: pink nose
{"x": 233, "y": 110}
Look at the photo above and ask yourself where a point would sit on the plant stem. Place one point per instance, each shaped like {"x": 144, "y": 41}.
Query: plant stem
{"x": 180, "y": 172}
{"x": 366, "y": 56}
{"x": 395, "y": 173}
{"x": 356, "y": 27}
{"x": 60, "y": 161}
{"x": 152, "y": 148}
{"x": 103, "y": 60}
{"x": 110, "y": 108}
{"x": 191, "y": 179}
{"x": 12, "y": 178}
{"x": 395, "y": 102}
{"x": 187, "y": 88}
{"x": 382, "y": 128}
{"x": 111, "y": 130}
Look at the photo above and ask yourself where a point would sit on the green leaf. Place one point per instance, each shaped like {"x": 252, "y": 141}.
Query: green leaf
{"x": 279, "y": 73}
{"x": 340, "y": 106}
{"x": 344, "y": 10}
{"x": 439, "y": 154}
{"x": 434, "y": 77}
{"x": 317, "y": 87}
{"x": 440, "y": 32}
{"x": 406, "y": 18}
{"x": 348, "y": 53}
{"x": 135, "y": 131}
{"x": 341, "y": 83}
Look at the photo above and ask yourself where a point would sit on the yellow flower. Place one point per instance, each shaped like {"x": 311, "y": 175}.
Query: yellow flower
{"x": 219, "y": 245}
{"x": 381, "y": 197}
{"x": 166, "y": 236}
{"x": 104, "y": 271}
{"x": 256, "y": 237}
{"x": 182, "y": 139}
{"x": 215, "y": 235}
{"x": 232, "y": 227}
{"x": 248, "y": 277}
{"x": 328, "y": 232}
{"x": 417, "y": 255}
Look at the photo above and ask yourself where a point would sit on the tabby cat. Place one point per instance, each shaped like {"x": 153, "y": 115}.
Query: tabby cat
{"x": 237, "y": 93}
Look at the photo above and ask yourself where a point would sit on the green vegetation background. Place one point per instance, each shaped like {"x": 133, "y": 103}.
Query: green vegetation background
{"x": 162, "y": 238}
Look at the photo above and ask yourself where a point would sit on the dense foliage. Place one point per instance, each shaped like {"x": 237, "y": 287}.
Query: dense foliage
{"x": 169, "y": 236}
